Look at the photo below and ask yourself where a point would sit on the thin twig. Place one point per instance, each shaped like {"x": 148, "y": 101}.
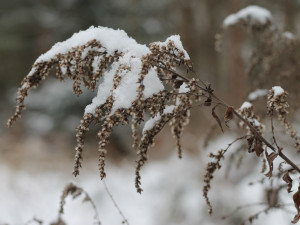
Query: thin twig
{"x": 125, "y": 221}
{"x": 273, "y": 133}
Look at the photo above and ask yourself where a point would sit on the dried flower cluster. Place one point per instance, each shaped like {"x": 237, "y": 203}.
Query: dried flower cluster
{"x": 137, "y": 81}
{"x": 277, "y": 103}
{"x": 254, "y": 143}
{"x": 274, "y": 52}
{"x": 75, "y": 191}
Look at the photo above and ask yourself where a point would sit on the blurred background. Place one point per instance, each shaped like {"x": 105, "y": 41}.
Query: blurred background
{"x": 36, "y": 155}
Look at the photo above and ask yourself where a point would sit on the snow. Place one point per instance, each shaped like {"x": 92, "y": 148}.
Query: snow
{"x": 63, "y": 70}
{"x": 256, "y": 123}
{"x": 289, "y": 35}
{"x": 112, "y": 40}
{"x": 103, "y": 90}
{"x": 255, "y": 15}
{"x": 152, "y": 83}
{"x": 26, "y": 191}
{"x": 25, "y": 196}
{"x": 184, "y": 88}
{"x": 257, "y": 93}
{"x": 24, "y": 85}
{"x": 169, "y": 109}
{"x": 95, "y": 63}
{"x": 152, "y": 121}
{"x": 246, "y": 105}
{"x": 277, "y": 90}
{"x": 126, "y": 92}
{"x": 178, "y": 44}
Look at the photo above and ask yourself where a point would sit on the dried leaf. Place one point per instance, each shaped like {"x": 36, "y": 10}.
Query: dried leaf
{"x": 258, "y": 149}
{"x": 270, "y": 159}
{"x": 228, "y": 114}
{"x": 216, "y": 117}
{"x": 296, "y": 198}
{"x": 286, "y": 177}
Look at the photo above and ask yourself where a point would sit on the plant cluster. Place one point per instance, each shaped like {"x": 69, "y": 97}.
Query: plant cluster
{"x": 146, "y": 87}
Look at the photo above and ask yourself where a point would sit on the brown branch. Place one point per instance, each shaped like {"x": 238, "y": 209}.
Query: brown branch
{"x": 260, "y": 137}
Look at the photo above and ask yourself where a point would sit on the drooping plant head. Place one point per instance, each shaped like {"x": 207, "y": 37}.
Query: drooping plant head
{"x": 136, "y": 80}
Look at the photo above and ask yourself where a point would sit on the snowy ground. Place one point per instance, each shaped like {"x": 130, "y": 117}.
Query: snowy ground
{"x": 172, "y": 193}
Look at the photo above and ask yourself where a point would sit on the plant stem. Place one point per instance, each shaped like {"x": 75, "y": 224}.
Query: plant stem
{"x": 220, "y": 101}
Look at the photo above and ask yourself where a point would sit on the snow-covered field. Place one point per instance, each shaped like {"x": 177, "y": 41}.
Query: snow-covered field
{"x": 172, "y": 193}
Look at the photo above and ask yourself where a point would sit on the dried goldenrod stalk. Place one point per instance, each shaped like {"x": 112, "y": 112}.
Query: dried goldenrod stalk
{"x": 136, "y": 81}
{"x": 277, "y": 103}
{"x": 254, "y": 143}
{"x": 211, "y": 169}
{"x": 75, "y": 191}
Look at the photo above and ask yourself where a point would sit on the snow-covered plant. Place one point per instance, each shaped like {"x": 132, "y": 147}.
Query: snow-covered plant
{"x": 271, "y": 51}
{"x": 146, "y": 86}
{"x": 136, "y": 80}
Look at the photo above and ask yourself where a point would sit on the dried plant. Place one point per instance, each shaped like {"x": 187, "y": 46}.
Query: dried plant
{"x": 136, "y": 81}
{"x": 274, "y": 52}
{"x": 75, "y": 191}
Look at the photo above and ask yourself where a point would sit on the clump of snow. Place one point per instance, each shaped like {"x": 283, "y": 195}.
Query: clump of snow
{"x": 169, "y": 109}
{"x": 255, "y": 15}
{"x": 112, "y": 40}
{"x": 63, "y": 69}
{"x": 95, "y": 63}
{"x": 289, "y": 35}
{"x": 246, "y": 105}
{"x": 277, "y": 90}
{"x": 152, "y": 84}
{"x": 178, "y": 44}
{"x": 103, "y": 89}
{"x": 256, "y": 123}
{"x": 126, "y": 92}
{"x": 152, "y": 121}
{"x": 184, "y": 88}
{"x": 25, "y": 85}
{"x": 257, "y": 93}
